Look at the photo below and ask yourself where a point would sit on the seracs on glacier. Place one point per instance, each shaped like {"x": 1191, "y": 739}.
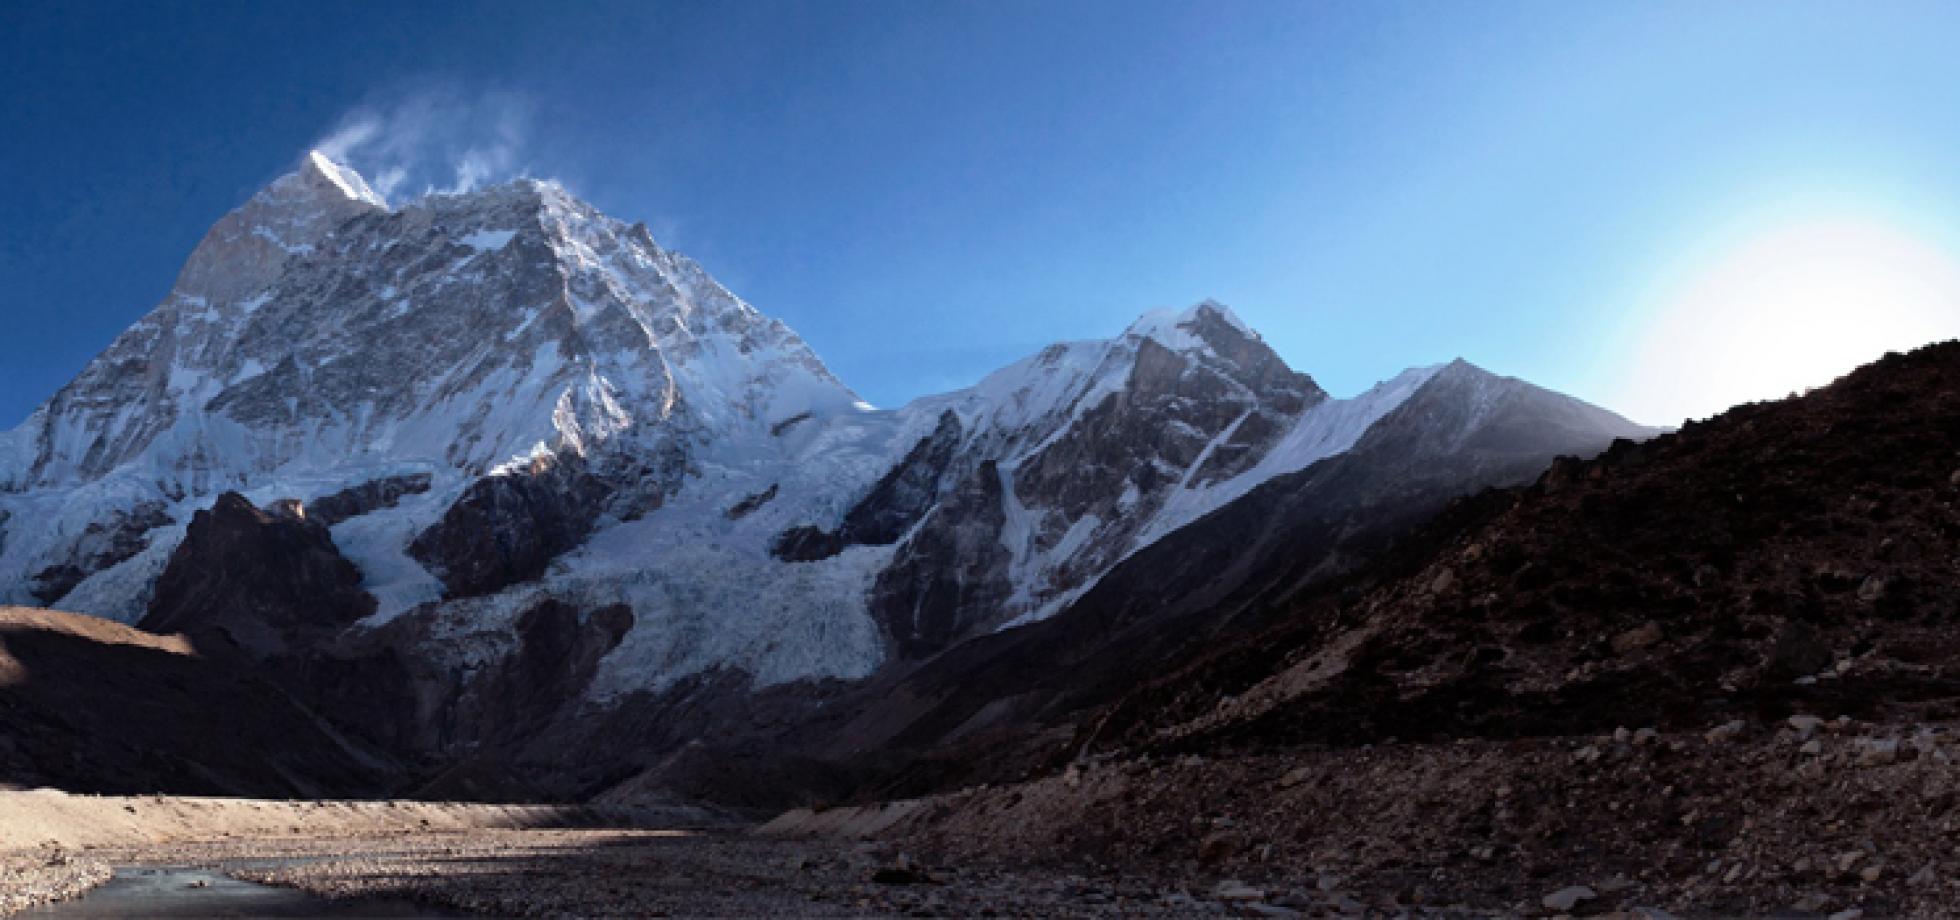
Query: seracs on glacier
{"x": 318, "y": 340}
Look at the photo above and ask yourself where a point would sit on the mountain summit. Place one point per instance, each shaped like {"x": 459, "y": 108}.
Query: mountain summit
{"x": 349, "y": 182}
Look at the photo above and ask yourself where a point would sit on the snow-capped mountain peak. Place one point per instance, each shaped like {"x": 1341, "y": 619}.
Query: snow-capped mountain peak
{"x": 1184, "y": 329}
{"x": 505, "y": 398}
{"x": 318, "y": 340}
{"x": 341, "y": 177}
{"x": 246, "y": 249}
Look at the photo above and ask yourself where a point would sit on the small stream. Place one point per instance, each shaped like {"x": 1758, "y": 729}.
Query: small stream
{"x": 171, "y": 891}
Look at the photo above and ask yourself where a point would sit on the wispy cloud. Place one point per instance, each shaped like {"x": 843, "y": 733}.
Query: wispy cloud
{"x": 433, "y": 140}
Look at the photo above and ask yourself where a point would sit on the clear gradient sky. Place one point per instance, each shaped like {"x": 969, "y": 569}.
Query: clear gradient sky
{"x": 1661, "y": 207}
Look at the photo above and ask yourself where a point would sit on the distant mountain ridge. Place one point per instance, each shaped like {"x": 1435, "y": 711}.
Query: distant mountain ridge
{"x": 518, "y": 421}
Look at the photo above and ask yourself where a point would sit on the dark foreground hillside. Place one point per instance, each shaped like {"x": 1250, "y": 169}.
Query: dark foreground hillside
{"x": 1795, "y": 556}
{"x": 1717, "y": 672}
{"x": 89, "y": 705}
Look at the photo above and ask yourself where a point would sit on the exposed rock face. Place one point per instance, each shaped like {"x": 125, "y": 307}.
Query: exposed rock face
{"x": 892, "y": 506}
{"x": 370, "y": 496}
{"x": 55, "y": 581}
{"x": 248, "y": 249}
{"x": 749, "y": 503}
{"x": 499, "y": 727}
{"x": 806, "y": 543}
{"x": 507, "y": 527}
{"x": 904, "y": 495}
{"x": 126, "y": 398}
{"x": 955, "y": 567}
{"x": 556, "y": 657}
{"x": 1202, "y": 402}
{"x": 266, "y": 583}
{"x": 102, "y": 544}
{"x": 1139, "y": 442}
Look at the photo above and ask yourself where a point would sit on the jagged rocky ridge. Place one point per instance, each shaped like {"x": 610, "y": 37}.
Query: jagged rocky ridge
{"x": 625, "y": 484}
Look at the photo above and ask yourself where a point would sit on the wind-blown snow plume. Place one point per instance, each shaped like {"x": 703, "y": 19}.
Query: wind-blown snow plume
{"x": 434, "y": 140}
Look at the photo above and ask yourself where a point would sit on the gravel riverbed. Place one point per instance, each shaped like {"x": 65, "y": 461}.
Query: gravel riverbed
{"x": 27, "y": 879}
{"x": 639, "y": 873}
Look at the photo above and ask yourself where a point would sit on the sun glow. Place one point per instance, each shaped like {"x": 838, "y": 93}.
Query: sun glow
{"x": 1786, "y": 310}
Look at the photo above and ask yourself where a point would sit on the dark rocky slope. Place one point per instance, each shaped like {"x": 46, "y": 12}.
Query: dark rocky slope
{"x": 1715, "y": 672}
{"x": 1801, "y": 555}
{"x": 94, "y": 706}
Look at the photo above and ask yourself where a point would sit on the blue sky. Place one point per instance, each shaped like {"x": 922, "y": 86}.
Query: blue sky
{"x": 928, "y": 190}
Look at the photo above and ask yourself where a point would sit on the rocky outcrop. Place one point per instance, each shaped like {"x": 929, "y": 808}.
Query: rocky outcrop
{"x": 893, "y": 505}
{"x": 102, "y": 544}
{"x": 807, "y": 543}
{"x": 951, "y": 577}
{"x": 557, "y": 653}
{"x": 508, "y": 526}
{"x": 54, "y": 582}
{"x": 370, "y": 496}
{"x": 265, "y": 582}
{"x": 505, "y": 720}
{"x": 750, "y": 503}
{"x": 906, "y": 493}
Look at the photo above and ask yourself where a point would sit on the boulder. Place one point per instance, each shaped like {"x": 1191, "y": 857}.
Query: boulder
{"x": 1235, "y": 890}
{"x": 1567, "y": 899}
{"x": 1727, "y": 731}
{"x": 1633, "y": 640}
